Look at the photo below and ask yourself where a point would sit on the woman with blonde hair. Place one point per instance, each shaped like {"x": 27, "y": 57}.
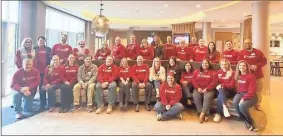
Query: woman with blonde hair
{"x": 25, "y": 51}
{"x": 124, "y": 83}
{"x": 53, "y": 80}
{"x": 246, "y": 94}
{"x": 157, "y": 75}
{"x": 157, "y": 46}
{"x": 225, "y": 88}
{"x": 146, "y": 51}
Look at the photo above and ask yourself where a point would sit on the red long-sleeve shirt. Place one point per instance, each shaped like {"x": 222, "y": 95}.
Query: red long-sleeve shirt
{"x": 80, "y": 52}
{"x": 56, "y": 77}
{"x": 169, "y": 50}
{"x": 23, "y": 78}
{"x": 140, "y": 74}
{"x": 226, "y": 82}
{"x": 107, "y": 73}
{"x": 200, "y": 53}
{"x": 213, "y": 57}
{"x": 185, "y": 53}
{"x": 170, "y": 95}
{"x": 186, "y": 76}
{"x": 193, "y": 45}
{"x": 119, "y": 51}
{"x": 102, "y": 53}
{"x": 147, "y": 53}
{"x": 71, "y": 73}
{"x": 124, "y": 72}
{"x": 254, "y": 57}
{"x": 204, "y": 80}
{"x": 40, "y": 61}
{"x": 133, "y": 51}
{"x": 231, "y": 56}
{"x": 63, "y": 51}
{"x": 247, "y": 83}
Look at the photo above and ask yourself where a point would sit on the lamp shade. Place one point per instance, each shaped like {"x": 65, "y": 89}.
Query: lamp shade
{"x": 100, "y": 24}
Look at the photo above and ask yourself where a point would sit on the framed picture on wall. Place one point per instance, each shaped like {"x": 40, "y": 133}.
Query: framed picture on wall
{"x": 275, "y": 43}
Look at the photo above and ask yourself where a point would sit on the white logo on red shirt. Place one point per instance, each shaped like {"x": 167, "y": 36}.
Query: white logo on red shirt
{"x": 170, "y": 91}
{"x": 242, "y": 81}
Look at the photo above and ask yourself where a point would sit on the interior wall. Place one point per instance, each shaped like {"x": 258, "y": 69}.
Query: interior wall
{"x": 214, "y": 30}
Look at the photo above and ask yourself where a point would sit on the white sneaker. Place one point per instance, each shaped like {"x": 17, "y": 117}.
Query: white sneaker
{"x": 226, "y": 111}
{"x": 180, "y": 116}
{"x": 159, "y": 117}
{"x": 99, "y": 110}
{"x": 217, "y": 118}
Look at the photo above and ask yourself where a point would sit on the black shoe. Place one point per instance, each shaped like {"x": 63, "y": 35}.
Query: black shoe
{"x": 147, "y": 107}
{"x": 253, "y": 128}
{"x": 240, "y": 118}
{"x": 248, "y": 125}
{"x": 66, "y": 110}
{"x": 61, "y": 110}
{"x": 75, "y": 108}
{"x": 137, "y": 108}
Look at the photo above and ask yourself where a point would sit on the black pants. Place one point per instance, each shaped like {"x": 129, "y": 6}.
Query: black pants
{"x": 67, "y": 95}
{"x": 42, "y": 92}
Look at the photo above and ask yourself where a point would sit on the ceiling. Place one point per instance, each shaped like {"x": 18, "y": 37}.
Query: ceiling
{"x": 159, "y": 15}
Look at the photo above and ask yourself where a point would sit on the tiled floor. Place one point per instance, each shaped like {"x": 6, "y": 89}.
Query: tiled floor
{"x": 145, "y": 123}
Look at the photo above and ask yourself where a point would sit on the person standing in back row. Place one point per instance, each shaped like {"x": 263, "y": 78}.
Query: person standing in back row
{"x": 157, "y": 46}
{"x": 119, "y": 51}
{"x": 42, "y": 59}
{"x": 257, "y": 60}
{"x": 193, "y": 43}
{"x": 200, "y": 51}
{"x": 25, "y": 51}
{"x": 169, "y": 49}
{"x": 63, "y": 50}
{"x": 133, "y": 48}
{"x": 230, "y": 54}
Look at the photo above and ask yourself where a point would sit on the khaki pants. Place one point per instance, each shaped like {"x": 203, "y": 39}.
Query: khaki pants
{"x": 259, "y": 90}
{"x": 79, "y": 92}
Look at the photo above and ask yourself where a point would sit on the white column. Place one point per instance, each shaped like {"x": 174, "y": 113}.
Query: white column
{"x": 242, "y": 35}
{"x": 89, "y": 38}
{"x": 206, "y": 32}
{"x": 260, "y": 36}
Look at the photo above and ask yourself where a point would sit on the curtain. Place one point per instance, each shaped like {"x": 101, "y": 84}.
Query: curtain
{"x": 184, "y": 28}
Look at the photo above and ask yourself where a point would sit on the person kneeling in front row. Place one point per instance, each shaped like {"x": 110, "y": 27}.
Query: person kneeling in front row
{"x": 107, "y": 74}
{"x": 25, "y": 82}
{"x": 170, "y": 95}
{"x": 246, "y": 94}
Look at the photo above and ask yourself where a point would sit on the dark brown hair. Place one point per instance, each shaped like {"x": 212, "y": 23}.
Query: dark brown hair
{"x": 209, "y": 65}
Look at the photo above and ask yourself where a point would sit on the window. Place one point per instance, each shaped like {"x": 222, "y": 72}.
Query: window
{"x": 58, "y": 22}
{"x": 10, "y": 30}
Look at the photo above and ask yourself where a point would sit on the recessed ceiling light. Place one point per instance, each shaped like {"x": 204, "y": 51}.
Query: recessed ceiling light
{"x": 122, "y": 11}
{"x": 165, "y": 5}
{"x": 223, "y": 20}
{"x": 198, "y": 6}
{"x": 245, "y": 14}
{"x": 118, "y": 5}
{"x": 161, "y": 11}
{"x": 85, "y": 5}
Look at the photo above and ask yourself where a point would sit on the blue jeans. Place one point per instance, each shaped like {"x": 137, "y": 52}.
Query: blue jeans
{"x": 112, "y": 87}
{"x": 156, "y": 84}
{"x": 42, "y": 92}
{"x": 52, "y": 95}
{"x": 176, "y": 109}
{"x": 243, "y": 108}
{"x": 188, "y": 90}
{"x": 17, "y": 101}
{"x": 222, "y": 98}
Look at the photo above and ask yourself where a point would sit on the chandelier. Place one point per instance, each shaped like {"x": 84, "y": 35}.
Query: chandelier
{"x": 100, "y": 24}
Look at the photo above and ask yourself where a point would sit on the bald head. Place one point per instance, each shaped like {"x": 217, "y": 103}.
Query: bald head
{"x": 169, "y": 39}
{"x": 182, "y": 43}
{"x": 248, "y": 44}
{"x": 194, "y": 40}
{"x": 117, "y": 40}
{"x": 139, "y": 60}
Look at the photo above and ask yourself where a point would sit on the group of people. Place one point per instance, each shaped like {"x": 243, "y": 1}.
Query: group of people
{"x": 57, "y": 68}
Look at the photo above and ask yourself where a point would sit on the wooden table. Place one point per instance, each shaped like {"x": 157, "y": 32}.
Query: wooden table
{"x": 275, "y": 70}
